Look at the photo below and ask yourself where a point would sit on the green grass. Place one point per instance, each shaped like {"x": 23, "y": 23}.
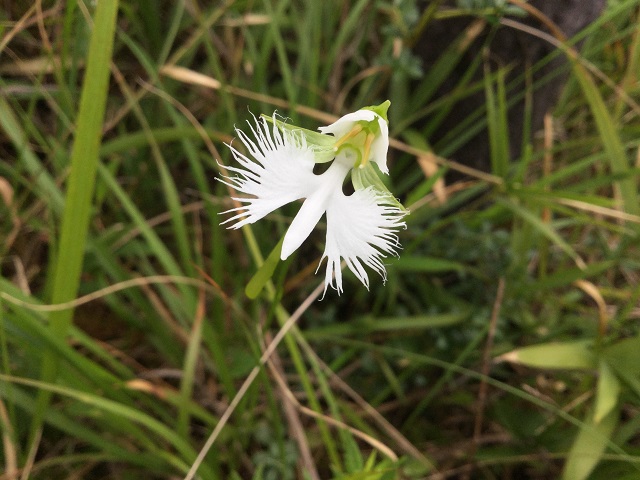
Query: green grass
{"x": 135, "y": 340}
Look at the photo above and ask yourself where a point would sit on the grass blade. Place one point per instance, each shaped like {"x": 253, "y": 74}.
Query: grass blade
{"x": 84, "y": 163}
{"x": 611, "y": 141}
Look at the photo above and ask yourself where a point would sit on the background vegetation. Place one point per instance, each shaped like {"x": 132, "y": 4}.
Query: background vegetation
{"x": 504, "y": 345}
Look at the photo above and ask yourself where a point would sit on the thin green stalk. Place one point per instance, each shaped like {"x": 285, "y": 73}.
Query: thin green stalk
{"x": 78, "y": 204}
{"x": 312, "y": 398}
{"x": 156, "y": 246}
{"x": 169, "y": 188}
{"x": 188, "y": 369}
{"x": 124, "y": 411}
{"x": 172, "y": 33}
{"x": 282, "y": 315}
{"x": 310, "y": 47}
{"x": 612, "y": 143}
{"x": 41, "y": 177}
{"x": 283, "y": 60}
{"x": 210, "y": 333}
{"x": 497, "y": 122}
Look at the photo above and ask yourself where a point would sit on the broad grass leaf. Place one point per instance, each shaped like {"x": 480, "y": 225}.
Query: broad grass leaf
{"x": 427, "y": 264}
{"x": 368, "y": 325}
{"x": 607, "y": 392}
{"x": 624, "y": 358}
{"x": 556, "y": 355}
{"x": 588, "y": 447}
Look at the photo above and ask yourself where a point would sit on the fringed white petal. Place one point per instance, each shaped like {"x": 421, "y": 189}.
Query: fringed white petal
{"x": 281, "y": 173}
{"x": 327, "y": 186}
{"x": 361, "y": 229}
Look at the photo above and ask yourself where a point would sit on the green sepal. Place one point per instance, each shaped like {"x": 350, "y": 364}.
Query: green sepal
{"x": 369, "y": 176}
{"x": 381, "y": 109}
{"x": 322, "y": 144}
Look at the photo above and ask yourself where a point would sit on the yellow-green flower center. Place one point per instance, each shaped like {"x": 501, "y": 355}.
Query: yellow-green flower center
{"x": 359, "y": 139}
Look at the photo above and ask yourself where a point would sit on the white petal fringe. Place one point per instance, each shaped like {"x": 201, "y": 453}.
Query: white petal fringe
{"x": 281, "y": 173}
{"x": 361, "y": 229}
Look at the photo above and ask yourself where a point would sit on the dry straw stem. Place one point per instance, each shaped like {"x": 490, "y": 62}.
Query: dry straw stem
{"x": 591, "y": 290}
{"x": 8, "y": 443}
{"x": 27, "y": 20}
{"x": 291, "y": 321}
{"x": 486, "y": 362}
{"x": 599, "y": 210}
{"x": 334, "y": 379}
{"x": 547, "y": 160}
{"x": 192, "y": 119}
{"x": 290, "y": 407}
{"x": 375, "y": 443}
{"x": 23, "y": 473}
{"x": 7, "y": 195}
{"x": 135, "y": 282}
{"x": 186, "y": 75}
{"x": 46, "y": 43}
{"x": 429, "y": 167}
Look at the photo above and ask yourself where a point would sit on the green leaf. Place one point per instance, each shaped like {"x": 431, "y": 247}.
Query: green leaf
{"x": 79, "y": 193}
{"x": 264, "y": 273}
{"x": 124, "y": 411}
{"x": 607, "y": 393}
{"x": 611, "y": 140}
{"x": 427, "y": 264}
{"x": 14, "y": 130}
{"x": 567, "y": 276}
{"x": 361, "y": 326}
{"x": 84, "y": 163}
{"x": 544, "y": 228}
{"x": 624, "y": 358}
{"x": 557, "y": 355}
{"x": 588, "y": 447}
{"x": 497, "y": 123}
{"x": 353, "y": 460}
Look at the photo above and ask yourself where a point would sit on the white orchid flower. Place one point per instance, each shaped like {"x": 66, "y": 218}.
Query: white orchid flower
{"x": 361, "y": 227}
